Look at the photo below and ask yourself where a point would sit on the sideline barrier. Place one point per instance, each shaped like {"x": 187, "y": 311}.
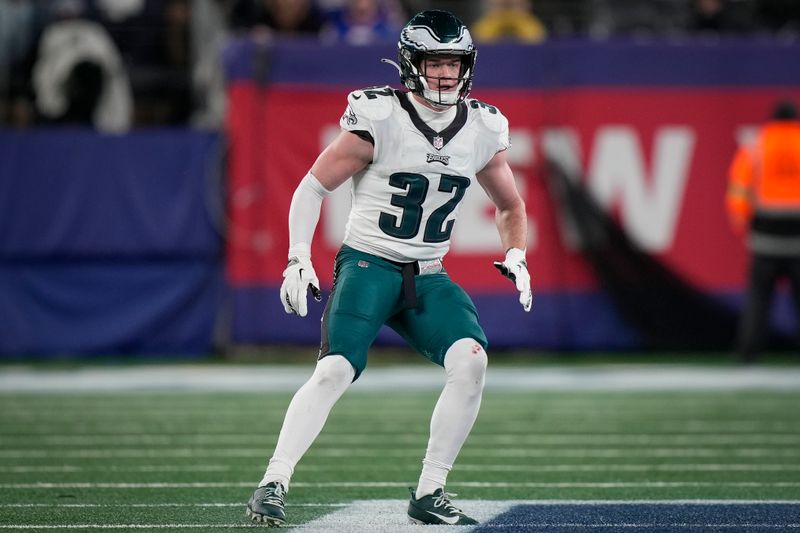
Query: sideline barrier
{"x": 107, "y": 243}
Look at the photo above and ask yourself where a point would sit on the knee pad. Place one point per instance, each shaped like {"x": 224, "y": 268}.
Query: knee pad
{"x": 466, "y": 360}
{"x": 333, "y": 371}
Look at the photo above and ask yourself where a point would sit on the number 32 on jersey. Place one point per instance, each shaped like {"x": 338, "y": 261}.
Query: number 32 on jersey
{"x": 416, "y": 186}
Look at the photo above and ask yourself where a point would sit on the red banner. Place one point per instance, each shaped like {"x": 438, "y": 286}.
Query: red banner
{"x": 656, "y": 158}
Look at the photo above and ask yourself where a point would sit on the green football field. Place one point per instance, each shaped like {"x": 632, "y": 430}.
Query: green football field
{"x": 189, "y": 459}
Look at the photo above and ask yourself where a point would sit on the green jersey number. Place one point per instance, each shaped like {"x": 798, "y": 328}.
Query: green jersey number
{"x": 407, "y": 225}
{"x": 475, "y": 104}
{"x": 372, "y": 94}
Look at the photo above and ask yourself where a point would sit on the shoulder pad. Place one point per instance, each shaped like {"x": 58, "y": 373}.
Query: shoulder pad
{"x": 374, "y": 103}
{"x": 489, "y": 115}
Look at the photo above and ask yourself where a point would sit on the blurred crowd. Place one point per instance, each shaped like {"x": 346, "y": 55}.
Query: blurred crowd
{"x": 117, "y": 64}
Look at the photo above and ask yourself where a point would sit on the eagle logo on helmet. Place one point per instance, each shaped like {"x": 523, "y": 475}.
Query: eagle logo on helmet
{"x": 434, "y": 32}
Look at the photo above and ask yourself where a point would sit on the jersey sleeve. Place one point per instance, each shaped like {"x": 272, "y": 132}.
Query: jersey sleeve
{"x": 494, "y": 135}
{"x": 365, "y": 108}
{"x": 497, "y": 126}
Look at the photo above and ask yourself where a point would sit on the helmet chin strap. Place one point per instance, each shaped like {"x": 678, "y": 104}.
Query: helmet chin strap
{"x": 435, "y": 97}
{"x": 438, "y": 97}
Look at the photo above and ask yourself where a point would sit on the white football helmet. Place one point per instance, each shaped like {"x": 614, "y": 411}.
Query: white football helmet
{"x": 435, "y": 32}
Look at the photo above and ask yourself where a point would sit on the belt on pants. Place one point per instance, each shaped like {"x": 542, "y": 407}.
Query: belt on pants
{"x": 409, "y": 271}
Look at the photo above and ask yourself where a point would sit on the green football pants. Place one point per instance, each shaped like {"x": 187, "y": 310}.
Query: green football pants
{"x": 368, "y": 293}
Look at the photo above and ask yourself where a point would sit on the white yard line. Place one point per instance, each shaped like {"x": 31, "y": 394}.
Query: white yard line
{"x": 404, "y": 484}
{"x": 472, "y": 451}
{"x": 464, "y": 502}
{"x": 386, "y": 516}
{"x": 63, "y": 441}
{"x": 605, "y": 467}
{"x": 254, "y": 378}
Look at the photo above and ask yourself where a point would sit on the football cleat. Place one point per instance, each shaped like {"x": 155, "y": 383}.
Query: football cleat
{"x": 436, "y": 509}
{"x": 266, "y": 505}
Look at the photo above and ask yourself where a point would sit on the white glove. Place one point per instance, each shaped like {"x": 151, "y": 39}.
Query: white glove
{"x": 298, "y": 277}
{"x": 515, "y": 268}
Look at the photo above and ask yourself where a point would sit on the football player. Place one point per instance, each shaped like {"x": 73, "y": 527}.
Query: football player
{"x": 411, "y": 155}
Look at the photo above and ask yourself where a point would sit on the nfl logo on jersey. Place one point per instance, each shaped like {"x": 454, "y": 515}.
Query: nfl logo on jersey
{"x": 438, "y": 142}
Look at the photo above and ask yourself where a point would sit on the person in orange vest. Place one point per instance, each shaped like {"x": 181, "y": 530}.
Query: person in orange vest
{"x": 763, "y": 203}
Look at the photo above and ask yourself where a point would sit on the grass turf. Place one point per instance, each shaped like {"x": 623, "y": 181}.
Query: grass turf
{"x": 194, "y": 458}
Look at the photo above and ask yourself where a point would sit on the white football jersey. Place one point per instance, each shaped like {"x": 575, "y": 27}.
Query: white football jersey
{"x": 405, "y": 202}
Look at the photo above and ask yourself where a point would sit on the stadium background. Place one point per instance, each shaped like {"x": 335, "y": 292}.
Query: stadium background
{"x": 169, "y": 236}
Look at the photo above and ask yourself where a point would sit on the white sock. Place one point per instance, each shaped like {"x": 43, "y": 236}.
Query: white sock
{"x": 306, "y": 416}
{"x": 454, "y": 414}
